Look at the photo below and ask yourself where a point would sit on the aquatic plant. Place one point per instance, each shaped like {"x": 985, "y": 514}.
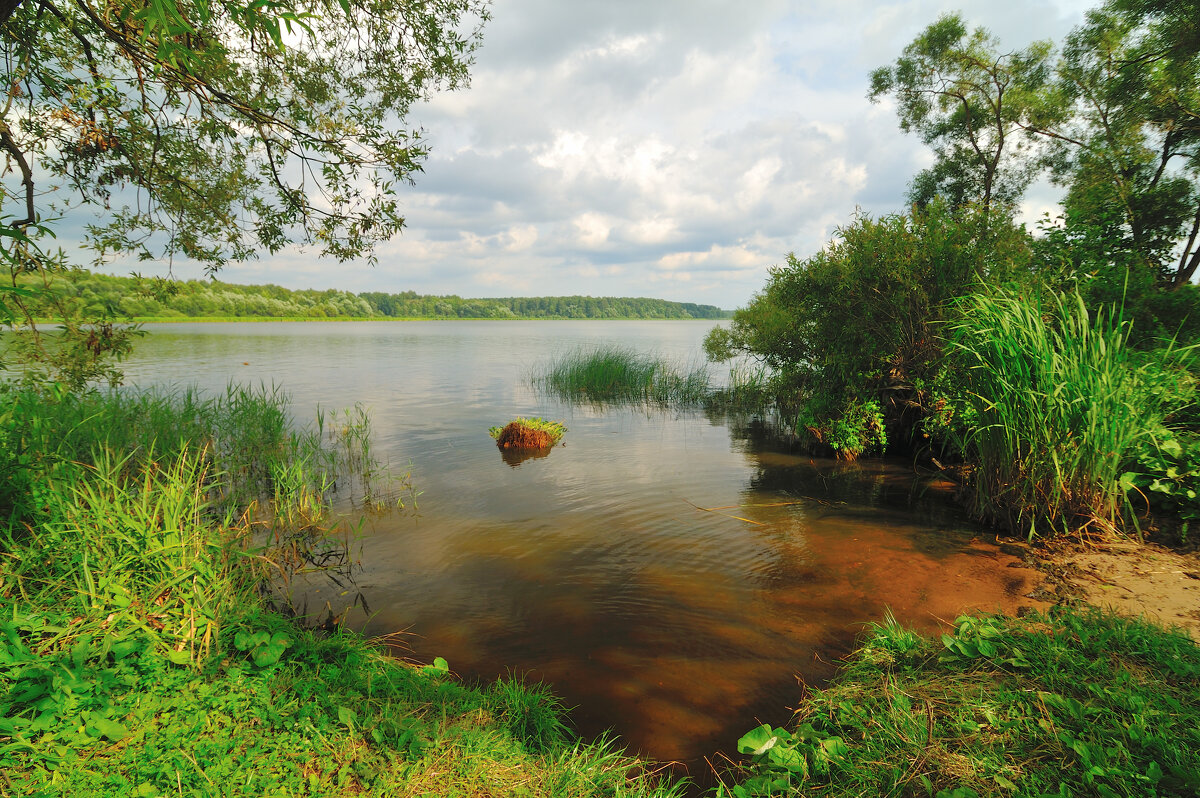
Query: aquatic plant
{"x": 528, "y": 433}
{"x": 617, "y": 374}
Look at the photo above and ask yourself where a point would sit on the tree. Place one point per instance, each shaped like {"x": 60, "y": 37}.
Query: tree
{"x": 1129, "y": 152}
{"x": 1116, "y": 121}
{"x": 215, "y": 129}
{"x": 971, "y": 103}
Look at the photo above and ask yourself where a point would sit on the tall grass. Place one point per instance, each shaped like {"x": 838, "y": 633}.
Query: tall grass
{"x": 1062, "y": 404}
{"x": 136, "y": 551}
{"x": 750, "y": 386}
{"x": 619, "y": 374}
{"x": 161, "y": 511}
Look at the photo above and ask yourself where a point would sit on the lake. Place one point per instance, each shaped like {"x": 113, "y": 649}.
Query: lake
{"x": 675, "y": 575}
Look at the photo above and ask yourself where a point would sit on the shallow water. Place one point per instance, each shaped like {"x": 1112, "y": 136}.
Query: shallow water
{"x": 673, "y": 575}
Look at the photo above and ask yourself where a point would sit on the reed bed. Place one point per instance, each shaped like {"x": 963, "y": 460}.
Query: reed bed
{"x": 1063, "y": 403}
{"x": 616, "y": 374}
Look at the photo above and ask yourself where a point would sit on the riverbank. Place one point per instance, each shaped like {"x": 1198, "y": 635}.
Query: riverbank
{"x": 1074, "y": 702}
{"x": 1139, "y": 580}
{"x": 144, "y": 649}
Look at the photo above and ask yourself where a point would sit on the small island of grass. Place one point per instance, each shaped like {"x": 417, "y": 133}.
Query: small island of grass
{"x": 528, "y": 433}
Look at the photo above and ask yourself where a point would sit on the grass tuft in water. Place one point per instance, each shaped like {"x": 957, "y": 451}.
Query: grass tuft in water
{"x": 615, "y": 374}
{"x": 528, "y": 433}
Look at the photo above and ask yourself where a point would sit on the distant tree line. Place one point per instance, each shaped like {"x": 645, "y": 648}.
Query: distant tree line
{"x": 133, "y": 297}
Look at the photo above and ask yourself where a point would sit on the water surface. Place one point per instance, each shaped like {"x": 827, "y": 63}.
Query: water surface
{"x": 675, "y": 575}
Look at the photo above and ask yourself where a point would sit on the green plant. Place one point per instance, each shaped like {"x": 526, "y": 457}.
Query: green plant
{"x": 621, "y": 375}
{"x": 1063, "y": 405}
{"x": 1166, "y": 477}
{"x": 1077, "y": 702}
{"x": 856, "y": 326}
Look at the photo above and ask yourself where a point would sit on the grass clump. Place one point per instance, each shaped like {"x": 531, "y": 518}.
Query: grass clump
{"x": 528, "y": 433}
{"x": 1062, "y": 406}
{"x": 615, "y": 374}
{"x": 1079, "y": 702}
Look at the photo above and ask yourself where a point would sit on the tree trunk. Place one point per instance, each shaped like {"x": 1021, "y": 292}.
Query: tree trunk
{"x": 7, "y": 7}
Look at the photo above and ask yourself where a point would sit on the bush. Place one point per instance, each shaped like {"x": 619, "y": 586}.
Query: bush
{"x": 854, "y": 330}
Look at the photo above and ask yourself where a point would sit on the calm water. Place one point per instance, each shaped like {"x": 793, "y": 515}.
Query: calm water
{"x": 673, "y": 575}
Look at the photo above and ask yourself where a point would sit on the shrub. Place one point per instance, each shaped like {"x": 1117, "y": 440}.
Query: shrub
{"x": 856, "y": 326}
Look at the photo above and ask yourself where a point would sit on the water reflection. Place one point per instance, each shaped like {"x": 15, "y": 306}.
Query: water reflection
{"x": 514, "y": 457}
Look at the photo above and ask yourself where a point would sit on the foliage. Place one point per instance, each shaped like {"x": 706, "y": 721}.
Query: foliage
{"x": 852, "y": 331}
{"x": 609, "y": 373}
{"x": 330, "y": 716}
{"x": 1090, "y": 258}
{"x": 1128, "y": 147}
{"x": 213, "y": 130}
{"x": 208, "y": 130}
{"x": 1114, "y": 120}
{"x": 971, "y": 103}
{"x": 1166, "y": 478}
{"x": 1063, "y": 405}
{"x": 1073, "y": 703}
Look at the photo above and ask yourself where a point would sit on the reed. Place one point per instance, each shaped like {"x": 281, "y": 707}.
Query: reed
{"x": 1062, "y": 403}
{"x": 616, "y": 374}
{"x": 750, "y": 387}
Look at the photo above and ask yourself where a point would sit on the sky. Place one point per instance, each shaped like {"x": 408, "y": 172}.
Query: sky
{"x": 661, "y": 148}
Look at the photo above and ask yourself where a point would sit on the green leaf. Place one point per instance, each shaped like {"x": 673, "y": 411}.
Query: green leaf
{"x": 179, "y": 657}
{"x": 757, "y": 741}
{"x": 111, "y": 729}
{"x": 835, "y": 747}
{"x": 439, "y": 667}
{"x": 347, "y": 716}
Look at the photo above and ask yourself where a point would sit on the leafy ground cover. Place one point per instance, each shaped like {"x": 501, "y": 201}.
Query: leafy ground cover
{"x": 1074, "y": 703}
{"x": 282, "y": 711}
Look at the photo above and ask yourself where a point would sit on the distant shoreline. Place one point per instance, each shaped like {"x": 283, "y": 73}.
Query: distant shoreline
{"x": 267, "y": 319}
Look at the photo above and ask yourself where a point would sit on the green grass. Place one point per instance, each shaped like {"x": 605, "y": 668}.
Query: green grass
{"x": 615, "y": 374}
{"x": 1062, "y": 406}
{"x": 144, "y": 540}
{"x": 1077, "y": 703}
{"x": 326, "y": 715}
